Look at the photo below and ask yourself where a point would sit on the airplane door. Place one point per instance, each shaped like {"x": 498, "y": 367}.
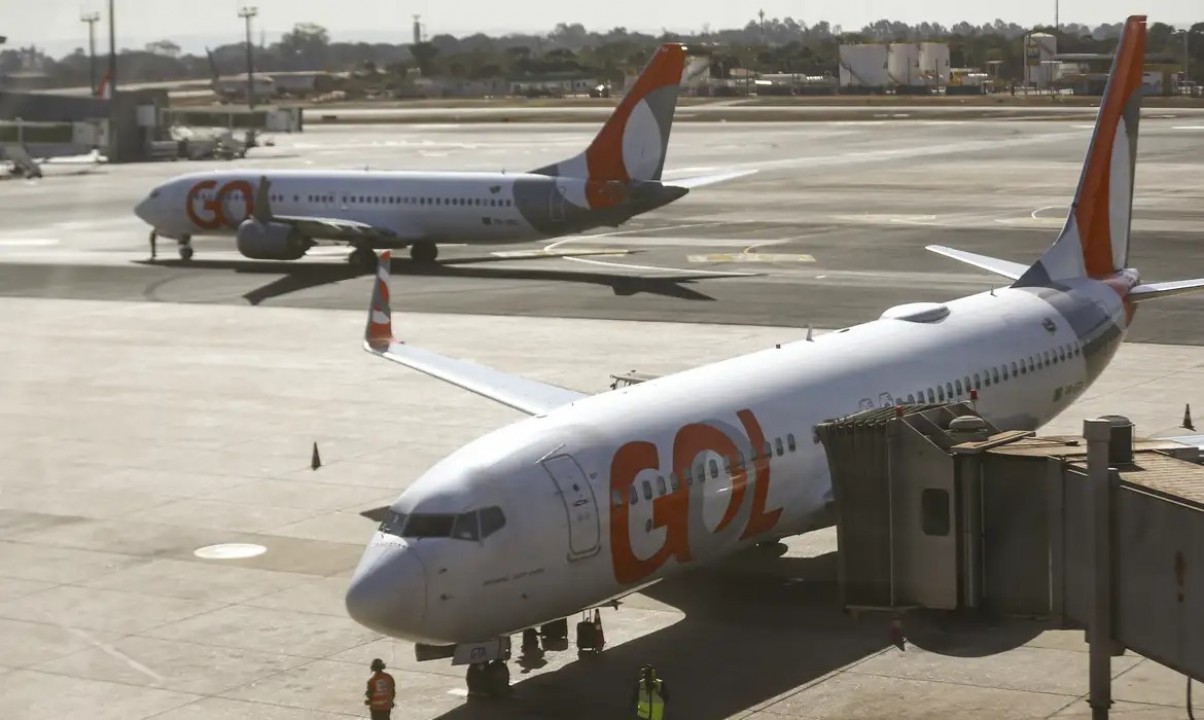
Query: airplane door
{"x": 579, "y": 504}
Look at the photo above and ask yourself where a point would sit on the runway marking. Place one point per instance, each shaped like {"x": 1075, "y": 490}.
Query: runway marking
{"x": 539, "y": 253}
{"x": 751, "y": 257}
{"x": 28, "y": 242}
{"x": 1187, "y": 127}
{"x": 684, "y": 271}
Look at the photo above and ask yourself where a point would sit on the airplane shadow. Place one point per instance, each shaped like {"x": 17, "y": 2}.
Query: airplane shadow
{"x": 749, "y": 635}
{"x": 298, "y": 277}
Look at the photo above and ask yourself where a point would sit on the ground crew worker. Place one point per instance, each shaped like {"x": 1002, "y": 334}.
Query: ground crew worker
{"x": 153, "y": 237}
{"x": 650, "y": 695}
{"x": 381, "y": 691}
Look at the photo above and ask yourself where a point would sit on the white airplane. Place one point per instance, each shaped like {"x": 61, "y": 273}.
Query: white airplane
{"x": 279, "y": 215}
{"x": 594, "y": 497}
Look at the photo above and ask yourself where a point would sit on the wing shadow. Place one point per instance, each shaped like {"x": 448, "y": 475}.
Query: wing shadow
{"x": 297, "y": 276}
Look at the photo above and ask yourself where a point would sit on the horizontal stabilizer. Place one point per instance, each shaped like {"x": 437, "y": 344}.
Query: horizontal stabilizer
{"x": 1006, "y": 268}
{"x": 701, "y": 180}
{"x": 1149, "y": 291}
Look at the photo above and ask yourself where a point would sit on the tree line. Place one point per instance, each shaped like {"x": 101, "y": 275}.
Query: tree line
{"x": 766, "y": 45}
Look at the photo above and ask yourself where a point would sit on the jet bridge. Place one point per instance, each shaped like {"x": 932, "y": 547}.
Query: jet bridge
{"x": 937, "y": 509}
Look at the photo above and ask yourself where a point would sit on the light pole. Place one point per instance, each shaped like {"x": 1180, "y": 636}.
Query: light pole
{"x": 112, "y": 54}
{"x": 247, "y": 13}
{"x": 91, "y": 18}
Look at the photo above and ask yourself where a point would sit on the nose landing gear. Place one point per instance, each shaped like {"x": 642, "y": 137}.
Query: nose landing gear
{"x": 185, "y": 247}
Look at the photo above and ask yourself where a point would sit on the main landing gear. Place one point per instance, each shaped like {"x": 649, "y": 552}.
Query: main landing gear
{"x": 489, "y": 676}
{"x": 424, "y": 251}
{"x": 363, "y": 256}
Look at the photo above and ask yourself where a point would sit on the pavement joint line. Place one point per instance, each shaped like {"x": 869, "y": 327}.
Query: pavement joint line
{"x": 964, "y": 684}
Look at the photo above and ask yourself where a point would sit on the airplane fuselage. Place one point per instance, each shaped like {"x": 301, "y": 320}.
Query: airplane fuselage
{"x": 619, "y": 490}
{"x": 459, "y": 207}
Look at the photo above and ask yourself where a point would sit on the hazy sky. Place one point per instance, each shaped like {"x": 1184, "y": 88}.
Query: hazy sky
{"x": 55, "y": 24}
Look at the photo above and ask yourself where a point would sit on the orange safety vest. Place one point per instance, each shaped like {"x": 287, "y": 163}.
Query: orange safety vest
{"x": 380, "y": 691}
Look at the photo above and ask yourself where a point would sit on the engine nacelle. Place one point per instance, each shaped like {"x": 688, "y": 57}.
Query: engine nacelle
{"x": 270, "y": 241}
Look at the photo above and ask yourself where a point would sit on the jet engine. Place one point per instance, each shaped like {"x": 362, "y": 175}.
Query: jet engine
{"x": 270, "y": 241}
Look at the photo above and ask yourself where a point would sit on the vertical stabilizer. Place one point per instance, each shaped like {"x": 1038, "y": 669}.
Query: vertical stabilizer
{"x": 1095, "y": 240}
{"x": 633, "y": 142}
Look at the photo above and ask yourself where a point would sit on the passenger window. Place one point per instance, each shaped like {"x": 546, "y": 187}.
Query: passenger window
{"x": 977, "y": 381}
{"x": 465, "y": 527}
{"x": 616, "y": 498}
{"x": 995, "y": 374}
{"x": 739, "y": 460}
{"x": 1014, "y": 371}
{"x": 647, "y": 490}
{"x": 1047, "y": 359}
{"x": 635, "y": 495}
{"x": 959, "y": 388}
{"x": 689, "y": 476}
{"x": 1032, "y": 367}
{"x": 940, "y": 393}
{"x": 1023, "y": 369}
{"x": 768, "y": 451}
{"x": 777, "y": 443}
{"x": 714, "y": 469}
{"x": 790, "y": 442}
{"x": 660, "y": 485}
{"x": 674, "y": 485}
{"x": 931, "y": 396}
{"x": 492, "y": 520}
{"x": 949, "y": 390}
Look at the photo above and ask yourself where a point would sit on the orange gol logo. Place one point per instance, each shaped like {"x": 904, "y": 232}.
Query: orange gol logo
{"x": 214, "y": 207}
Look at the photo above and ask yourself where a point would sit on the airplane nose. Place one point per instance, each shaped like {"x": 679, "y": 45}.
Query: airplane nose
{"x": 388, "y": 591}
{"x": 145, "y": 210}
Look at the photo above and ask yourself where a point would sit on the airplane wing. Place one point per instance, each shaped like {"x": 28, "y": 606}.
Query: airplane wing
{"x": 701, "y": 180}
{"x": 529, "y": 396}
{"x": 1006, "y": 268}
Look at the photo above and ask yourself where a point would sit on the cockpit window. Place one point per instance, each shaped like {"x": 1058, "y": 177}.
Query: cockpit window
{"x": 426, "y": 526}
{"x": 471, "y": 525}
{"x": 393, "y": 523}
{"x": 465, "y": 527}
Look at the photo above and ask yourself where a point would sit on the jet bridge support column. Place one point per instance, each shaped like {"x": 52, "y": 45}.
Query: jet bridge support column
{"x": 1099, "y": 621}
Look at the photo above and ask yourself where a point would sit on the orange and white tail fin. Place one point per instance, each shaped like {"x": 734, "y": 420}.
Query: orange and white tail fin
{"x": 1095, "y": 240}
{"x": 378, "y": 333}
{"x": 633, "y": 142}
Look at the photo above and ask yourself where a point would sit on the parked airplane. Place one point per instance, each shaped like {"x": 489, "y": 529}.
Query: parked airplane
{"x": 596, "y": 496}
{"x": 231, "y": 88}
{"x": 281, "y": 214}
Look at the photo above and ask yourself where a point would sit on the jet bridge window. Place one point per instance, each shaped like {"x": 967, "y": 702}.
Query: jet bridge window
{"x": 934, "y": 511}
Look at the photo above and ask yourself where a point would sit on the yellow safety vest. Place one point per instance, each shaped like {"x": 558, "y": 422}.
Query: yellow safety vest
{"x": 651, "y": 705}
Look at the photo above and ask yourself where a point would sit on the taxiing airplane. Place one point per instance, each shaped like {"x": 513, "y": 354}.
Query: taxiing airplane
{"x": 279, "y": 215}
{"x": 593, "y": 497}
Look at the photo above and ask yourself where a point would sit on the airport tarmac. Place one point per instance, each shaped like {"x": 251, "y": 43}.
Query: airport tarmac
{"x": 830, "y": 231}
{"x": 153, "y": 411}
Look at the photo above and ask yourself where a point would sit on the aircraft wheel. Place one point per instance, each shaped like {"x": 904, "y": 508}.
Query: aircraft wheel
{"x": 363, "y": 256}
{"x": 185, "y": 252}
{"x": 424, "y": 251}
{"x": 497, "y": 678}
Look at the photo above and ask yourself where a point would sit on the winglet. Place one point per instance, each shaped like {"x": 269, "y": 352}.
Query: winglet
{"x": 378, "y": 333}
